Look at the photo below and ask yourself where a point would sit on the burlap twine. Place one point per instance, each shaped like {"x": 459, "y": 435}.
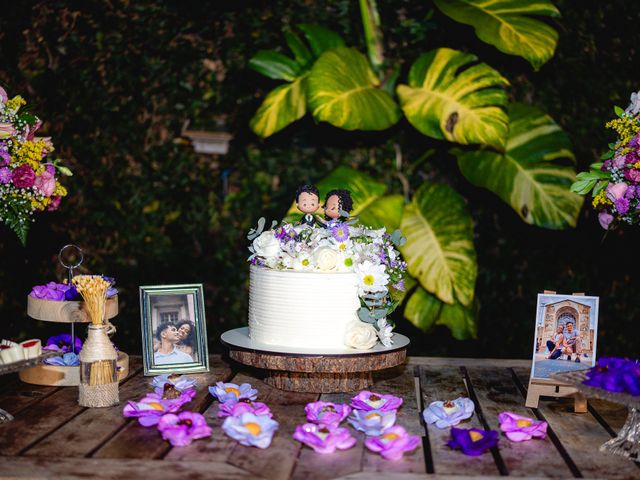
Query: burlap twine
{"x": 99, "y": 395}
{"x": 97, "y": 348}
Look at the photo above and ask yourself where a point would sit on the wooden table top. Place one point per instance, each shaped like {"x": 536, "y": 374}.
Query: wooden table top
{"x": 53, "y": 437}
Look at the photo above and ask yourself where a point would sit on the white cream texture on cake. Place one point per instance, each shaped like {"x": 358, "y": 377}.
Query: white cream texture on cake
{"x": 304, "y": 309}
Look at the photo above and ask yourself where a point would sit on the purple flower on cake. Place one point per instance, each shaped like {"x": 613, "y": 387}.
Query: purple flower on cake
{"x": 327, "y": 413}
{"x": 367, "y": 400}
{"x": 150, "y": 408}
{"x": 372, "y": 422}
{"x": 67, "y": 360}
{"x": 251, "y": 430}
{"x": 62, "y": 343}
{"x": 324, "y": 438}
{"x": 178, "y": 381}
{"x": 182, "y": 428}
{"x": 473, "y": 441}
{"x": 230, "y": 392}
{"x": 235, "y": 409}
{"x": 449, "y": 413}
{"x": 340, "y": 231}
{"x": 393, "y": 443}
{"x": 518, "y": 428}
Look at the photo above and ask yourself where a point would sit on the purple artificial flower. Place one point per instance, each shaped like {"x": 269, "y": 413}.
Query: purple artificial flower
{"x": 615, "y": 375}
{"x": 327, "y": 413}
{"x": 69, "y": 359}
{"x": 518, "y": 428}
{"x": 230, "y": 392}
{"x": 152, "y": 407}
{"x": 615, "y": 191}
{"x": 449, "y": 413}
{"x": 393, "y": 443}
{"x": 182, "y": 428}
{"x": 324, "y": 438}
{"x": 367, "y": 400}
{"x": 251, "y": 430}
{"x": 62, "y": 343}
{"x": 5, "y": 175}
{"x": 177, "y": 381}
{"x": 340, "y": 232}
{"x": 622, "y": 205}
{"x": 372, "y": 422}
{"x": 235, "y": 409}
{"x": 472, "y": 441}
{"x": 605, "y": 219}
{"x": 23, "y": 176}
{"x": 51, "y": 291}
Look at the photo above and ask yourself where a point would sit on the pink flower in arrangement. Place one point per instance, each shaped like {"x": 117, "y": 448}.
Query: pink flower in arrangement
{"x": 23, "y": 176}
{"x": 323, "y": 438}
{"x": 616, "y": 191}
{"x": 153, "y": 406}
{"x": 46, "y": 183}
{"x": 518, "y": 428}
{"x": 230, "y": 392}
{"x": 55, "y": 203}
{"x": 30, "y": 131}
{"x": 605, "y": 219}
{"x": 366, "y": 400}
{"x": 6, "y": 130}
{"x": 327, "y": 413}
{"x": 372, "y": 422}
{"x": 235, "y": 409}
{"x": 3, "y": 95}
{"x": 633, "y": 175}
{"x": 251, "y": 430}
{"x": 182, "y": 428}
{"x": 393, "y": 443}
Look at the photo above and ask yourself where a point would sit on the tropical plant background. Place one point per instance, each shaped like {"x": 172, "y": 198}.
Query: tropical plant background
{"x": 465, "y": 140}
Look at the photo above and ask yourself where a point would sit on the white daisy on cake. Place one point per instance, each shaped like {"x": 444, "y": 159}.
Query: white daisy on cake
{"x": 371, "y": 277}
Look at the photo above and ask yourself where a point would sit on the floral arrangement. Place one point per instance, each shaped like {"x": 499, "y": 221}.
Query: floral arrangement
{"x": 338, "y": 246}
{"x": 66, "y": 292}
{"x": 615, "y": 374}
{"x": 614, "y": 182}
{"x": 29, "y": 182}
{"x": 70, "y": 348}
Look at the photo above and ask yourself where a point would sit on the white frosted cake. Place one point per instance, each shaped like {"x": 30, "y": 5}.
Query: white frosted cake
{"x": 302, "y": 309}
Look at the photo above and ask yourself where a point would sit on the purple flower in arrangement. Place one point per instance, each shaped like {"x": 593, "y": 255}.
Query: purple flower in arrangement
{"x": 324, "y": 438}
{"x": 393, "y": 443}
{"x": 327, "y": 413}
{"x": 62, "y": 343}
{"x": 152, "y": 407}
{"x": 251, "y": 430}
{"x": 615, "y": 375}
{"x": 67, "y": 360}
{"x": 367, "y": 400}
{"x": 615, "y": 191}
{"x": 472, "y": 441}
{"x": 230, "y": 392}
{"x": 605, "y": 219}
{"x": 5, "y": 175}
{"x": 178, "y": 381}
{"x": 340, "y": 231}
{"x": 182, "y": 428}
{"x": 372, "y": 422}
{"x": 518, "y": 428}
{"x": 399, "y": 286}
{"x": 622, "y": 205}
{"x": 235, "y": 409}
{"x": 632, "y": 174}
{"x": 449, "y": 413}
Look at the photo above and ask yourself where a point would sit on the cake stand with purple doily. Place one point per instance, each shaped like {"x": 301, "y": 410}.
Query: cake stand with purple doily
{"x": 301, "y": 369}
{"x": 627, "y": 443}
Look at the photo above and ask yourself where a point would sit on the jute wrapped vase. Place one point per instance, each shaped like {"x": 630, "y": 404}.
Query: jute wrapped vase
{"x": 98, "y": 370}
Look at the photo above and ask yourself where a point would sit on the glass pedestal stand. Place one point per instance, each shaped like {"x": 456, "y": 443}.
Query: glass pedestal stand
{"x": 627, "y": 443}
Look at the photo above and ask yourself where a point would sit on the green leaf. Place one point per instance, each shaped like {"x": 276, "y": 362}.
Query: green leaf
{"x": 275, "y": 65}
{"x": 282, "y": 106}
{"x": 320, "y": 39}
{"x": 384, "y": 212}
{"x": 607, "y": 155}
{"x": 599, "y": 187}
{"x": 343, "y": 91}
{"x": 508, "y": 25}
{"x": 460, "y": 320}
{"x": 422, "y": 309}
{"x": 300, "y": 51}
{"x": 529, "y": 175}
{"x": 64, "y": 171}
{"x": 583, "y": 186}
{"x": 451, "y": 98}
{"x": 596, "y": 166}
{"x": 619, "y": 111}
{"x": 439, "y": 249}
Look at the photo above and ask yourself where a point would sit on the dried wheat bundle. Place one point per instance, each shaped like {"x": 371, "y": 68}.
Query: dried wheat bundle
{"x": 93, "y": 289}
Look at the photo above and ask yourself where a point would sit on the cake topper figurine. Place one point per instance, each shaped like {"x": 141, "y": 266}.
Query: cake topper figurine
{"x": 338, "y": 205}
{"x": 308, "y": 201}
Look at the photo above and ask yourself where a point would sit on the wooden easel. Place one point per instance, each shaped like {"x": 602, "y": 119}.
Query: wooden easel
{"x": 554, "y": 388}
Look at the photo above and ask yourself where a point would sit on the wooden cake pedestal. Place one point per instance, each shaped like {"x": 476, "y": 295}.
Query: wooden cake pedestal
{"x": 306, "y": 370}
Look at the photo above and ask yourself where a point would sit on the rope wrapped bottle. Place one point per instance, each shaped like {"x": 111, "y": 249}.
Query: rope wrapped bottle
{"x": 98, "y": 357}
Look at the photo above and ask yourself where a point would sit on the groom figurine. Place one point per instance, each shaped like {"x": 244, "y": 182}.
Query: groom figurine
{"x": 308, "y": 201}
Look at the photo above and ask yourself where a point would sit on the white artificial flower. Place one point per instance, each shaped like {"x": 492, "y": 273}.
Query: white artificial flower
{"x": 345, "y": 262}
{"x": 326, "y": 259}
{"x": 376, "y": 233}
{"x": 371, "y": 278}
{"x": 385, "y": 332}
{"x": 266, "y": 245}
{"x": 303, "y": 262}
{"x": 360, "y": 335}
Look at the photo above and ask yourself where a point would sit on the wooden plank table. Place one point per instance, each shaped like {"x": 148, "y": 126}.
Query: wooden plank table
{"x": 53, "y": 437}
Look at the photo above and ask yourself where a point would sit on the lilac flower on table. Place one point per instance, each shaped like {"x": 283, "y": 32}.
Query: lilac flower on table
{"x": 372, "y": 422}
{"x": 393, "y": 443}
{"x": 230, "y": 392}
{"x": 367, "y": 400}
{"x": 251, "y": 430}
{"x": 235, "y": 409}
{"x": 178, "y": 381}
{"x": 518, "y": 428}
{"x": 182, "y": 428}
{"x": 150, "y": 408}
{"x": 472, "y": 441}
{"x": 324, "y": 438}
{"x": 327, "y": 413}
{"x": 62, "y": 343}
{"x": 449, "y": 413}
{"x": 615, "y": 375}
{"x": 69, "y": 359}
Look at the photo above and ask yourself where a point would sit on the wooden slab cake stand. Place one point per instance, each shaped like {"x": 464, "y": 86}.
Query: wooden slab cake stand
{"x": 306, "y": 370}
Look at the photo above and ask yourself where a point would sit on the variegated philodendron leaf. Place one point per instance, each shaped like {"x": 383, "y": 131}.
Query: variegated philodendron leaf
{"x": 452, "y": 97}
{"x": 534, "y": 174}
{"x": 509, "y": 25}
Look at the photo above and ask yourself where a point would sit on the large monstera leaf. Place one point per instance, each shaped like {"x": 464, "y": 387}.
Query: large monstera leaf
{"x": 534, "y": 174}
{"x": 508, "y": 25}
{"x": 452, "y": 97}
{"x": 345, "y": 92}
{"x": 288, "y": 103}
{"x": 439, "y": 249}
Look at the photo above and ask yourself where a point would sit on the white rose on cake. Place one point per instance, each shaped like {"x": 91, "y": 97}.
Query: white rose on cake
{"x": 326, "y": 259}
{"x": 266, "y": 245}
{"x": 360, "y": 335}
